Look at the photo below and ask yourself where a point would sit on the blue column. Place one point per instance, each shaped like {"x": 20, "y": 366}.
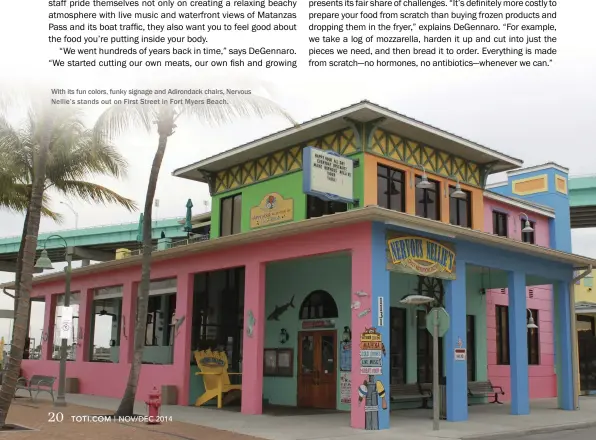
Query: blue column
{"x": 518, "y": 344}
{"x": 380, "y": 317}
{"x": 457, "y": 371}
{"x": 564, "y": 341}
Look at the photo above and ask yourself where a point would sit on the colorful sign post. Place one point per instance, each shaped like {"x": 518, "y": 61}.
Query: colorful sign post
{"x": 372, "y": 354}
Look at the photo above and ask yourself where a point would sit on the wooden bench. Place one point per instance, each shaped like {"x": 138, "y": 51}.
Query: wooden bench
{"x": 409, "y": 392}
{"x": 485, "y": 389}
{"x": 37, "y": 383}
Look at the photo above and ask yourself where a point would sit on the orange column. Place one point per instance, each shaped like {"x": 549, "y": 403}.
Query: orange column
{"x": 370, "y": 180}
{"x": 410, "y": 192}
{"x": 444, "y": 196}
{"x": 477, "y": 209}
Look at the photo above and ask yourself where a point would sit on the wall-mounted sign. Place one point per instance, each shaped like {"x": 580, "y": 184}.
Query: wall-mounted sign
{"x": 272, "y": 210}
{"x": 328, "y": 175}
{"x": 345, "y": 387}
{"x": 421, "y": 256}
{"x": 380, "y": 312}
{"x": 66, "y": 323}
{"x": 459, "y": 354}
{"x": 345, "y": 356}
{"x": 372, "y": 351}
{"x": 319, "y": 323}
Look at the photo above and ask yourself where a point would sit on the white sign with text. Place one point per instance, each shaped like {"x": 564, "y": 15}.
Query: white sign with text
{"x": 328, "y": 174}
{"x": 66, "y": 323}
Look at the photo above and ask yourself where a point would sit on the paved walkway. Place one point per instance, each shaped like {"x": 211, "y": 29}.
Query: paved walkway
{"x": 485, "y": 422}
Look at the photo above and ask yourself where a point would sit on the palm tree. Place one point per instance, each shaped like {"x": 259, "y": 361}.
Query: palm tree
{"x": 118, "y": 118}
{"x": 54, "y": 150}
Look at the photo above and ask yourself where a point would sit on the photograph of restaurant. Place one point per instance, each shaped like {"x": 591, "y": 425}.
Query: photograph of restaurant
{"x": 329, "y": 244}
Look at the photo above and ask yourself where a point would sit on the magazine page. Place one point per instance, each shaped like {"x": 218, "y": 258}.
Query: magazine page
{"x": 383, "y": 209}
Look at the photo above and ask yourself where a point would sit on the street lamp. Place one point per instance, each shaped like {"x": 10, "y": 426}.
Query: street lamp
{"x": 44, "y": 262}
{"x": 531, "y": 324}
{"x": 76, "y": 214}
{"x": 527, "y": 226}
{"x": 420, "y": 300}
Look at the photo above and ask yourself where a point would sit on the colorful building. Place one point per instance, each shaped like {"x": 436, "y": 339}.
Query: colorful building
{"x": 311, "y": 254}
{"x": 585, "y": 310}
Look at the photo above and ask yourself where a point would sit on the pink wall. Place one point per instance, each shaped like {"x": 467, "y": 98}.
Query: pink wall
{"x": 543, "y": 381}
{"x": 514, "y": 226}
{"x": 107, "y": 379}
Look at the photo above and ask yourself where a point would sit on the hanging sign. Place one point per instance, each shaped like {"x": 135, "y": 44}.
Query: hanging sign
{"x": 328, "y": 175}
{"x": 66, "y": 323}
{"x": 381, "y": 312}
{"x": 421, "y": 256}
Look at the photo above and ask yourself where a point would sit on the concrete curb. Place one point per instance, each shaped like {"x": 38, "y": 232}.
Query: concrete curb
{"x": 531, "y": 431}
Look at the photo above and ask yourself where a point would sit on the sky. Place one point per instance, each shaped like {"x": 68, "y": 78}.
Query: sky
{"x": 535, "y": 114}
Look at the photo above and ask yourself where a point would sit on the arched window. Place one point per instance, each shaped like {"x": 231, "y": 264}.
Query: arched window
{"x": 318, "y": 305}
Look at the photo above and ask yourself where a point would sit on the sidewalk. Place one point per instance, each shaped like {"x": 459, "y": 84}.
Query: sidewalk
{"x": 485, "y": 422}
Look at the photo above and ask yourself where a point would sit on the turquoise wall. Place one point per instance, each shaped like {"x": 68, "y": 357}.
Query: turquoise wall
{"x": 298, "y": 278}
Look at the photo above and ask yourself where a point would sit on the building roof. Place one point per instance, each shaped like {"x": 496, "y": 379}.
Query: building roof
{"x": 364, "y": 111}
{"x": 520, "y": 203}
{"x": 355, "y": 216}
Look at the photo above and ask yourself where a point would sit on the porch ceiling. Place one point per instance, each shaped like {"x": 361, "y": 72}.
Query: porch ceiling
{"x": 362, "y": 215}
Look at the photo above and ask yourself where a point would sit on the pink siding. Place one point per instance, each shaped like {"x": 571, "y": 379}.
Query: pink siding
{"x": 543, "y": 381}
{"x": 514, "y": 226}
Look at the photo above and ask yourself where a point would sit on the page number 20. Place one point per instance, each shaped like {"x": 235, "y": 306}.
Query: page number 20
{"x": 57, "y": 417}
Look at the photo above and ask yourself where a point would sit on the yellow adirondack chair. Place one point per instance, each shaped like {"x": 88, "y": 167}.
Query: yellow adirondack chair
{"x": 214, "y": 369}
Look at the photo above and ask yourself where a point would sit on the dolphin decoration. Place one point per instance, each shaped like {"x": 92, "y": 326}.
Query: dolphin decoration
{"x": 278, "y": 311}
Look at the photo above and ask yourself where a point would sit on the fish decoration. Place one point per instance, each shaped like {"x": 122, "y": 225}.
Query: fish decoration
{"x": 250, "y": 324}
{"x": 363, "y": 313}
{"x": 278, "y": 311}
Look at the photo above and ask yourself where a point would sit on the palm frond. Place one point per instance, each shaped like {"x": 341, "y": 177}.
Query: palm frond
{"x": 93, "y": 193}
{"x": 117, "y": 119}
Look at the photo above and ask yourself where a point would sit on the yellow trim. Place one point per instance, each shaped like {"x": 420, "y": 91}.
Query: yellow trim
{"x": 561, "y": 184}
{"x": 530, "y": 185}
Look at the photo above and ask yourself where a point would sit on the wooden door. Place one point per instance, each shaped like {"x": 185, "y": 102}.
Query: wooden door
{"x": 317, "y": 369}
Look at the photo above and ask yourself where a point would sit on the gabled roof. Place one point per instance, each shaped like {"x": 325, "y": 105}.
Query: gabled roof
{"x": 364, "y": 111}
{"x": 520, "y": 203}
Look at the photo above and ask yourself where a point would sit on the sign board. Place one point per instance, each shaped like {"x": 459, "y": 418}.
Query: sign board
{"x": 66, "y": 323}
{"x": 272, "y": 210}
{"x": 371, "y": 370}
{"x": 345, "y": 356}
{"x": 421, "y": 256}
{"x": 328, "y": 175}
{"x": 319, "y": 323}
{"x": 371, "y": 354}
{"x": 459, "y": 354}
{"x": 444, "y": 321}
{"x": 371, "y": 362}
{"x": 381, "y": 312}
{"x": 345, "y": 387}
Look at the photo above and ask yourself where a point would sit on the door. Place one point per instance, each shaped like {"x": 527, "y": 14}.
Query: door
{"x": 317, "y": 372}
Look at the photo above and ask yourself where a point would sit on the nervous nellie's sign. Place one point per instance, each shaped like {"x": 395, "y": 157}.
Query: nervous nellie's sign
{"x": 421, "y": 256}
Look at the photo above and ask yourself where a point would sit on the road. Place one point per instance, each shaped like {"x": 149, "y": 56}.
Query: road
{"x": 580, "y": 434}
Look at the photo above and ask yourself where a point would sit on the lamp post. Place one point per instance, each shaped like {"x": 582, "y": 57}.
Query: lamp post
{"x": 421, "y": 300}
{"x": 76, "y": 214}
{"x": 44, "y": 262}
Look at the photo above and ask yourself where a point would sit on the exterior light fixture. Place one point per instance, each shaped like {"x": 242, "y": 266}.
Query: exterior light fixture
{"x": 458, "y": 192}
{"x": 531, "y": 324}
{"x": 527, "y": 226}
{"x": 347, "y": 334}
{"x": 424, "y": 183}
{"x": 416, "y": 300}
{"x": 44, "y": 262}
{"x": 283, "y": 336}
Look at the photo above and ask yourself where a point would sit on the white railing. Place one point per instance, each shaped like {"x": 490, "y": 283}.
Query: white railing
{"x": 185, "y": 242}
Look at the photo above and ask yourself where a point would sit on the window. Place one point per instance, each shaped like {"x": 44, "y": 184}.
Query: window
{"x": 33, "y": 343}
{"x": 533, "y": 341}
{"x": 589, "y": 281}
{"x": 391, "y": 192}
{"x": 231, "y": 215}
{"x": 585, "y": 325}
{"x": 160, "y": 315}
{"x": 218, "y": 313}
{"x": 73, "y": 338}
{"x": 502, "y": 335}
{"x": 397, "y": 342}
{"x": 528, "y": 237}
{"x": 106, "y": 325}
{"x": 500, "y": 223}
{"x": 318, "y": 305}
{"x": 427, "y": 201}
{"x": 471, "y": 341}
{"x": 460, "y": 210}
{"x": 425, "y": 350}
{"x": 316, "y": 207}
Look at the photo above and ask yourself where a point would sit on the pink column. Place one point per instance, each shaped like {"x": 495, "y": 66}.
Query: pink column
{"x": 129, "y": 313}
{"x": 84, "y": 329}
{"x": 47, "y": 344}
{"x": 182, "y": 339}
{"x": 253, "y": 339}
{"x": 361, "y": 282}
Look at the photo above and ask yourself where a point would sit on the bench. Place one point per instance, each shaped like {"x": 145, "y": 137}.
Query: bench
{"x": 409, "y": 392}
{"x": 485, "y": 389}
{"x": 37, "y": 383}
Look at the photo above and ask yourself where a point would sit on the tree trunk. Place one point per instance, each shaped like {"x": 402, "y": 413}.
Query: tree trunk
{"x": 18, "y": 270}
{"x": 126, "y": 407}
{"x": 22, "y": 311}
